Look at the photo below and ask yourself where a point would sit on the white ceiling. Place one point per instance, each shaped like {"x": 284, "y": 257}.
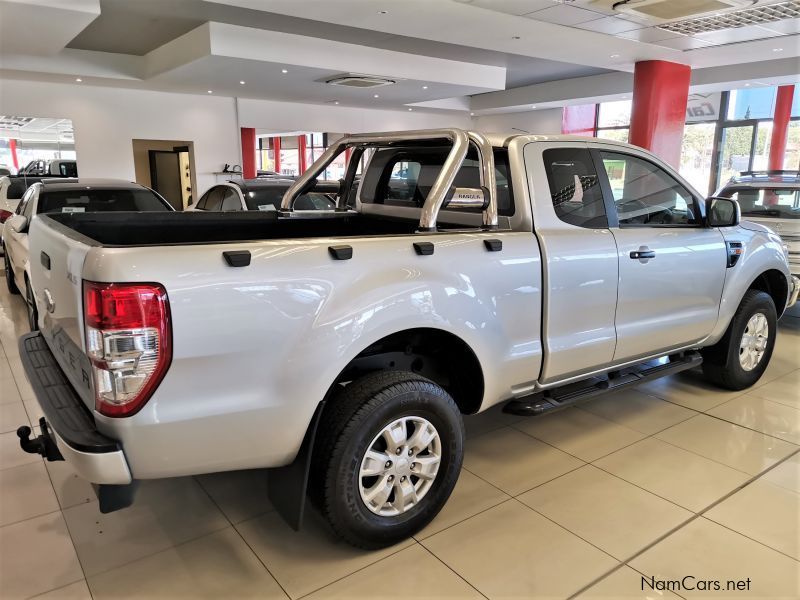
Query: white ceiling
{"x": 480, "y": 55}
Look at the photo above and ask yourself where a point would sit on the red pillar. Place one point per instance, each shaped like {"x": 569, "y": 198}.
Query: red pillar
{"x": 12, "y": 145}
{"x": 660, "y": 94}
{"x": 579, "y": 120}
{"x": 276, "y": 151}
{"x": 301, "y": 149}
{"x": 248, "y": 152}
{"x": 780, "y": 126}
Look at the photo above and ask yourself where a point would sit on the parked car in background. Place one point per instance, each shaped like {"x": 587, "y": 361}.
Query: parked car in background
{"x": 12, "y": 188}
{"x": 771, "y": 198}
{"x": 65, "y": 196}
{"x": 59, "y": 167}
{"x": 5, "y": 170}
{"x": 342, "y": 347}
{"x": 264, "y": 194}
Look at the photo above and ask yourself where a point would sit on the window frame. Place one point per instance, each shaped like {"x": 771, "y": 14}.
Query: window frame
{"x": 611, "y": 204}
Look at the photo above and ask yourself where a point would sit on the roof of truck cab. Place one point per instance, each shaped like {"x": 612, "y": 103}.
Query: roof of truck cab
{"x": 765, "y": 179}
{"x": 57, "y": 185}
{"x": 500, "y": 140}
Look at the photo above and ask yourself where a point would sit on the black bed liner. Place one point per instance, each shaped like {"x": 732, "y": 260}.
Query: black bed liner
{"x": 120, "y": 229}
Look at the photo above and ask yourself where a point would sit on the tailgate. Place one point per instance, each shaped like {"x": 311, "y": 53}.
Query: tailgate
{"x": 57, "y": 255}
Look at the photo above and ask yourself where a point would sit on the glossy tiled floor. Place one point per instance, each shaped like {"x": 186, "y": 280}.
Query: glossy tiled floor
{"x": 674, "y": 478}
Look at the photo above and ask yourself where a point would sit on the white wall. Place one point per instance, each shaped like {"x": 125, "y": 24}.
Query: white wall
{"x": 294, "y": 116}
{"x": 106, "y": 120}
{"x": 545, "y": 121}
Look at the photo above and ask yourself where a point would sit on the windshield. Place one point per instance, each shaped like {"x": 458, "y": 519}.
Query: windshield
{"x": 776, "y": 203}
{"x": 92, "y": 200}
{"x": 270, "y": 199}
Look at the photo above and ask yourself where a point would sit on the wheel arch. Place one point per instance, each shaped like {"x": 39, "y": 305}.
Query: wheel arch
{"x": 774, "y": 283}
{"x": 439, "y": 355}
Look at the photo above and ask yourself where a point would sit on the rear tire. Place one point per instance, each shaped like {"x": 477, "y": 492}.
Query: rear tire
{"x": 12, "y": 285}
{"x": 387, "y": 458}
{"x": 740, "y": 358}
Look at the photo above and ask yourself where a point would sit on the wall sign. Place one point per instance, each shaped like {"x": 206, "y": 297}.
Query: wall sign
{"x": 703, "y": 107}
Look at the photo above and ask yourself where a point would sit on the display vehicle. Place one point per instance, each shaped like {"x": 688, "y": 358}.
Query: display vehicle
{"x": 771, "y": 198}
{"x": 69, "y": 196}
{"x": 265, "y": 194}
{"x": 340, "y": 348}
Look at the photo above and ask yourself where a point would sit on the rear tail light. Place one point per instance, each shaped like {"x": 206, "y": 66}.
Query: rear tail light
{"x": 128, "y": 341}
{"x": 5, "y": 215}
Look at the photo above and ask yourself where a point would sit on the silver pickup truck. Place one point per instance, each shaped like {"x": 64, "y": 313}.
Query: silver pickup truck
{"x": 341, "y": 348}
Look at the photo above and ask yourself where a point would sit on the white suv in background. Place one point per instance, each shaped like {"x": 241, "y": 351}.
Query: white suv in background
{"x": 771, "y": 198}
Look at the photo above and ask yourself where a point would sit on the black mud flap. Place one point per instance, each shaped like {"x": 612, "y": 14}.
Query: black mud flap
{"x": 288, "y": 485}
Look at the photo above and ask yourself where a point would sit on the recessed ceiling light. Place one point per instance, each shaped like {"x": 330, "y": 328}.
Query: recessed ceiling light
{"x": 746, "y": 85}
{"x": 210, "y": 91}
{"x": 78, "y": 79}
{"x": 376, "y": 96}
{"x": 777, "y": 49}
{"x": 424, "y": 87}
{"x": 533, "y": 106}
{"x": 410, "y": 109}
{"x": 471, "y": 114}
{"x": 615, "y": 56}
{"x": 241, "y": 83}
{"x": 284, "y": 71}
{"x": 336, "y": 102}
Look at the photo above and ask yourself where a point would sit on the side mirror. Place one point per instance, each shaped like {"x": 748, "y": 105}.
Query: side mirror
{"x": 722, "y": 212}
{"x": 18, "y": 223}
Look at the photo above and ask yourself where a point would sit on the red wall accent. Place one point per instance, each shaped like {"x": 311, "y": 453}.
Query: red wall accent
{"x": 780, "y": 126}
{"x": 276, "y": 150}
{"x": 660, "y": 94}
{"x": 301, "y": 148}
{"x": 248, "y": 152}
{"x": 578, "y": 120}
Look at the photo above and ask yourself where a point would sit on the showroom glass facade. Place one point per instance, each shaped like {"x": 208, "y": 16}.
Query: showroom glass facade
{"x": 725, "y": 133}
{"x": 315, "y": 144}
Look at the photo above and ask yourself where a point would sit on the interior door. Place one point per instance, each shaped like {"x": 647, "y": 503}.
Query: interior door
{"x": 671, "y": 267}
{"x": 165, "y": 176}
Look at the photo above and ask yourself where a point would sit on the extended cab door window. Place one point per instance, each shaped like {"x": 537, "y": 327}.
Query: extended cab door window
{"x": 644, "y": 194}
{"x": 574, "y": 187}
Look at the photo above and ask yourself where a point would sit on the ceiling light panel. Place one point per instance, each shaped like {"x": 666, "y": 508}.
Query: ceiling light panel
{"x": 741, "y": 18}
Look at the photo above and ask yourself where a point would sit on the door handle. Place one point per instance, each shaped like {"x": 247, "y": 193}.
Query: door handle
{"x": 643, "y": 253}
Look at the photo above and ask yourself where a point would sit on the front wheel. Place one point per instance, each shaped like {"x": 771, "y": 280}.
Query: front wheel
{"x": 740, "y": 358}
{"x": 388, "y": 457}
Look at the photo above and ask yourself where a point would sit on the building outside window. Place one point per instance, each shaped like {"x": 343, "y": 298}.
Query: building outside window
{"x": 725, "y": 133}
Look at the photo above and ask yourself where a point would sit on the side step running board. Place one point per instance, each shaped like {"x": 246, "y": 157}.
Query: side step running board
{"x": 569, "y": 395}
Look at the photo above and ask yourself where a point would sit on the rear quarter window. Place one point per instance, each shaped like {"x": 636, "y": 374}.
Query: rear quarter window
{"x": 98, "y": 200}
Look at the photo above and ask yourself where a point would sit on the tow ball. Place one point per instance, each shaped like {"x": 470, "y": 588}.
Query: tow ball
{"x": 42, "y": 444}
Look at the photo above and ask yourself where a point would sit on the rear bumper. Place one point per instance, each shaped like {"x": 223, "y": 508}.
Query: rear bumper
{"x": 68, "y": 428}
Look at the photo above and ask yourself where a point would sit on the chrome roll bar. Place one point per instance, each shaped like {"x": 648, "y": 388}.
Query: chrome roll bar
{"x": 441, "y": 187}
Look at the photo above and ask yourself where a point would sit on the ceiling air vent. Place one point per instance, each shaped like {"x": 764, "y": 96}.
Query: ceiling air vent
{"x": 732, "y": 20}
{"x": 355, "y": 80}
{"x": 660, "y": 11}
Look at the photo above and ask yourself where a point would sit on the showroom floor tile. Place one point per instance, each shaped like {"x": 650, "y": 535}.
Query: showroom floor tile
{"x": 670, "y": 479}
{"x": 612, "y": 514}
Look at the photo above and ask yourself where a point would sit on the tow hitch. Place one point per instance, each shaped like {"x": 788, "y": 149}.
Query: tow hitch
{"x": 42, "y": 444}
